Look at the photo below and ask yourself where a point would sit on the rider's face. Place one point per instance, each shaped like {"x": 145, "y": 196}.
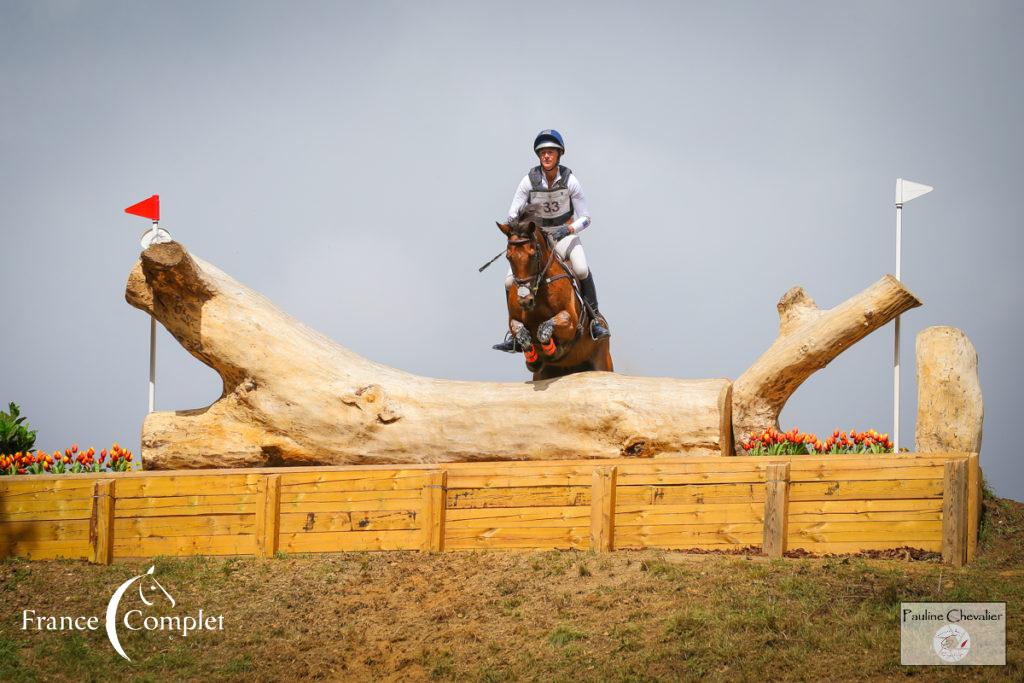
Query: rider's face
{"x": 548, "y": 158}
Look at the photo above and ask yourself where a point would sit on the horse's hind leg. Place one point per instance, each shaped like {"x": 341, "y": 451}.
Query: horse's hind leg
{"x": 602, "y": 359}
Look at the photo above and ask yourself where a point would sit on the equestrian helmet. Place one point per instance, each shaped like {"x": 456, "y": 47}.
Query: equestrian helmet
{"x": 548, "y": 138}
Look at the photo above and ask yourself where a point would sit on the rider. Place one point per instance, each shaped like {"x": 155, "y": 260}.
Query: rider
{"x": 557, "y": 194}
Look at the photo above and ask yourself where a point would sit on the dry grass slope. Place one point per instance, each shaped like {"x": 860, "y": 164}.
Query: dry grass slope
{"x": 531, "y": 616}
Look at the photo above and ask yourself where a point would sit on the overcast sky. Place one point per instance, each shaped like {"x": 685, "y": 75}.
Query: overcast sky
{"x": 348, "y": 160}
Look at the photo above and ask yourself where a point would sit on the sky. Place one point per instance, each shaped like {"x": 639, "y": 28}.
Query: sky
{"x": 348, "y": 160}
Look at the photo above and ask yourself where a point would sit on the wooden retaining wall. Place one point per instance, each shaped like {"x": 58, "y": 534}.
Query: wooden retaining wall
{"x": 830, "y": 504}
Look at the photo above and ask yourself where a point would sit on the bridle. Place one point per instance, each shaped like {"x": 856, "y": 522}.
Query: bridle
{"x": 532, "y": 283}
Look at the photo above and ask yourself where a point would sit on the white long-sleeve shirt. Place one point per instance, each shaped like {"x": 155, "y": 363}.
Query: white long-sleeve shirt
{"x": 581, "y": 215}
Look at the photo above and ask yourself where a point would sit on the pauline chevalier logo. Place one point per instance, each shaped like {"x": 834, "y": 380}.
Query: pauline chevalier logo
{"x": 150, "y": 592}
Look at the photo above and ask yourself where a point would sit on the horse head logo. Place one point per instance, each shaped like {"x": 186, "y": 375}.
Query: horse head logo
{"x": 147, "y": 584}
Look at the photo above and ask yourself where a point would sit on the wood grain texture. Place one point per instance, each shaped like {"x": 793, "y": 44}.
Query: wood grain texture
{"x": 776, "y": 512}
{"x": 954, "y": 514}
{"x": 294, "y": 397}
{"x": 809, "y": 338}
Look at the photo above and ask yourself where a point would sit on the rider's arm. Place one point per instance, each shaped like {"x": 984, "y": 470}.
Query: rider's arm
{"x": 520, "y": 198}
{"x": 579, "y": 204}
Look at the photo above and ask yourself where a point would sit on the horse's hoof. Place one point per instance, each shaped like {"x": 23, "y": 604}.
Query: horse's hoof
{"x": 545, "y": 331}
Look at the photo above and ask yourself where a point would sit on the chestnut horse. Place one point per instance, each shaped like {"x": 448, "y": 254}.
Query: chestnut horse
{"x": 544, "y": 305}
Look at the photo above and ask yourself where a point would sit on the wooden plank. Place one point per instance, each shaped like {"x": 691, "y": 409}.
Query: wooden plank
{"x": 535, "y": 517}
{"x": 354, "y": 480}
{"x": 379, "y": 504}
{"x": 345, "y": 541}
{"x": 845, "y": 490}
{"x": 178, "y": 546}
{"x": 101, "y": 523}
{"x": 776, "y": 511}
{"x": 75, "y": 549}
{"x": 692, "y": 513}
{"x": 188, "y": 485}
{"x": 542, "y": 496}
{"x": 268, "y": 515}
{"x": 883, "y": 516}
{"x": 830, "y": 531}
{"x": 689, "y": 535}
{"x": 973, "y": 505}
{"x": 691, "y": 493}
{"x": 350, "y": 496}
{"x": 49, "y": 508}
{"x": 185, "y": 525}
{"x": 50, "y": 530}
{"x": 860, "y": 546}
{"x": 432, "y": 513}
{"x": 316, "y": 522}
{"x": 41, "y": 486}
{"x": 833, "y": 472}
{"x": 954, "y": 513}
{"x": 602, "y": 509}
{"x": 747, "y": 476}
{"x": 526, "y": 478}
{"x": 186, "y": 505}
{"x": 459, "y": 538}
{"x": 814, "y": 508}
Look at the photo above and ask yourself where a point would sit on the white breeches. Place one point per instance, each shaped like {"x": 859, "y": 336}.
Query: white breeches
{"x": 569, "y": 245}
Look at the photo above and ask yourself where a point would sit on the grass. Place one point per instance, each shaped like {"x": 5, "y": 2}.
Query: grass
{"x": 493, "y": 616}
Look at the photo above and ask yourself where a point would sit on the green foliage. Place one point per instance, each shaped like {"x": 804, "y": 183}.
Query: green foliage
{"x": 15, "y": 437}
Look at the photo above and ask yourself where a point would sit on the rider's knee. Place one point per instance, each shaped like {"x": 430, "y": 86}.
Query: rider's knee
{"x": 581, "y": 271}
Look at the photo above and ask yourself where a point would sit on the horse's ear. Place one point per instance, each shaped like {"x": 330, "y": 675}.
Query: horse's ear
{"x": 503, "y": 227}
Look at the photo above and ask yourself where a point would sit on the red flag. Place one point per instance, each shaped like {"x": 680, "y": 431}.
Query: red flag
{"x": 147, "y": 208}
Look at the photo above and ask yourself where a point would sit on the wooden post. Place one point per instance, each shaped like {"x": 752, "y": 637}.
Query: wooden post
{"x": 432, "y": 513}
{"x": 954, "y": 513}
{"x": 973, "y": 504}
{"x": 101, "y": 524}
{"x": 602, "y": 509}
{"x": 268, "y": 515}
{"x": 776, "y": 508}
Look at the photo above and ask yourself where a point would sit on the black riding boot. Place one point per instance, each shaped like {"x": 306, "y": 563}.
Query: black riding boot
{"x": 510, "y": 345}
{"x": 598, "y": 329}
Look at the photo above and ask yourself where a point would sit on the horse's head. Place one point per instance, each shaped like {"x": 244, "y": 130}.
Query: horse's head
{"x": 526, "y": 247}
{"x": 148, "y": 585}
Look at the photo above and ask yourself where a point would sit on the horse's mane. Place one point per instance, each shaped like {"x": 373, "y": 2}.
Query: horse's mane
{"x": 528, "y": 214}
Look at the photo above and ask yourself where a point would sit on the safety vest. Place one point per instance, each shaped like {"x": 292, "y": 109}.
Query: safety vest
{"x": 554, "y": 203}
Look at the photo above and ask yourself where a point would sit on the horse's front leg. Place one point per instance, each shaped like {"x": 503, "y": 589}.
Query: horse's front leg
{"x": 555, "y": 331}
{"x": 523, "y": 338}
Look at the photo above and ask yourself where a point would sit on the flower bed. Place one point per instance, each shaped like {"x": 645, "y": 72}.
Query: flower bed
{"x": 71, "y": 461}
{"x": 795, "y": 442}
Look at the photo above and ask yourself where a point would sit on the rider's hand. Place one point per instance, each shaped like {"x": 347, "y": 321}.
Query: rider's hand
{"x": 561, "y": 232}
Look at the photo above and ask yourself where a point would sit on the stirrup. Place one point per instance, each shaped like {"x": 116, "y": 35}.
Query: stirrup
{"x": 598, "y": 330}
{"x": 510, "y": 345}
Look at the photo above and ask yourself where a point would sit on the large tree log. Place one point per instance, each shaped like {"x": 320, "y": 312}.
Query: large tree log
{"x": 292, "y": 396}
{"x": 809, "y": 338}
{"x": 950, "y": 408}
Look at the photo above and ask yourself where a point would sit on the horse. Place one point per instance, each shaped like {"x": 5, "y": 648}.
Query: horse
{"x": 545, "y": 305}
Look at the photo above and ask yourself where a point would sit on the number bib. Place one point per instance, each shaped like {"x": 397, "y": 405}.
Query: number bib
{"x": 555, "y": 206}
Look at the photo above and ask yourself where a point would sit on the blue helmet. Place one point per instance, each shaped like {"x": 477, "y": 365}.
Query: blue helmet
{"x": 549, "y": 138}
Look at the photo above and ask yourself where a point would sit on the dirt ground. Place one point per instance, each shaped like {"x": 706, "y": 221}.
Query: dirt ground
{"x": 532, "y": 616}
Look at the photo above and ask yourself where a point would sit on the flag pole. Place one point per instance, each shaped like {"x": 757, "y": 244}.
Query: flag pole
{"x": 152, "y": 352}
{"x": 150, "y": 208}
{"x": 905, "y": 191}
